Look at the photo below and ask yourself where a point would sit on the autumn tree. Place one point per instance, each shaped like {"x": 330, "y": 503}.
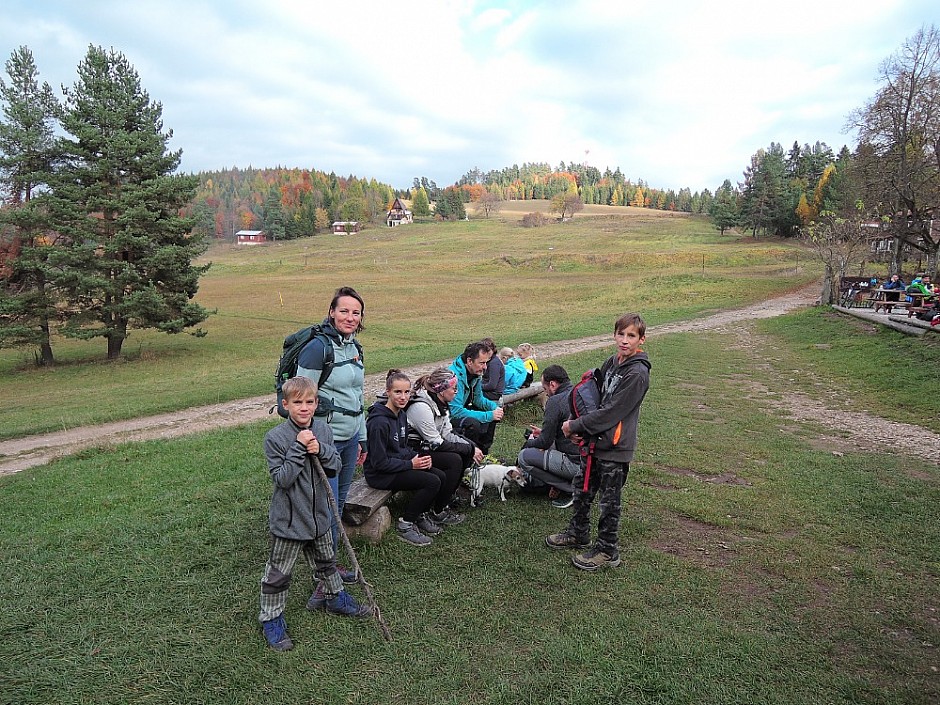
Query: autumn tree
{"x": 838, "y": 242}
{"x": 322, "y": 219}
{"x": 566, "y": 204}
{"x": 488, "y": 204}
{"x": 899, "y": 144}
{"x": 28, "y": 301}
{"x": 117, "y": 202}
{"x": 420, "y": 205}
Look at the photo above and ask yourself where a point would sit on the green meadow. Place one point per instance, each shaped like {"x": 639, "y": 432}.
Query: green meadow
{"x": 429, "y": 289}
{"x": 759, "y": 565}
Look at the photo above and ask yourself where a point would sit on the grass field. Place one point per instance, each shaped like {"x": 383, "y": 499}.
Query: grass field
{"x": 429, "y": 289}
{"x": 759, "y": 567}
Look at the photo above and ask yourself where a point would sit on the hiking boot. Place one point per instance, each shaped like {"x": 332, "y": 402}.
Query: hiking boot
{"x": 346, "y": 575}
{"x": 409, "y": 533}
{"x": 345, "y": 604}
{"x": 565, "y": 539}
{"x": 447, "y": 517}
{"x": 275, "y": 632}
{"x": 563, "y": 501}
{"x": 594, "y": 559}
{"x": 317, "y": 600}
{"x": 427, "y": 525}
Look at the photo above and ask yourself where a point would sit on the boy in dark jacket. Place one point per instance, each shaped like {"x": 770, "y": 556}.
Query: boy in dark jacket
{"x": 624, "y": 380}
{"x": 300, "y": 518}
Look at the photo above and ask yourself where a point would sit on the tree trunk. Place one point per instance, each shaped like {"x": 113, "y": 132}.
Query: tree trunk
{"x": 828, "y": 296}
{"x": 116, "y": 339}
{"x": 897, "y": 259}
{"x": 46, "y": 358}
{"x": 114, "y": 346}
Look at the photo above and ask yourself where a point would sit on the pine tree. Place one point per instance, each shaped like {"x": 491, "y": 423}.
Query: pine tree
{"x": 27, "y": 158}
{"x": 128, "y": 261}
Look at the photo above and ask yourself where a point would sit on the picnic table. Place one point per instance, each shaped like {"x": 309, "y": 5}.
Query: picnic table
{"x": 888, "y": 299}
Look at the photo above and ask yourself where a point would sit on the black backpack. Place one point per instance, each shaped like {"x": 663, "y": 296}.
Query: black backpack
{"x": 585, "y": 395}
{"x": 287, "y": 365}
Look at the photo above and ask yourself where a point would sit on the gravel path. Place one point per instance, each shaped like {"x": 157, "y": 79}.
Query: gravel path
{"x": 21, "y": 453}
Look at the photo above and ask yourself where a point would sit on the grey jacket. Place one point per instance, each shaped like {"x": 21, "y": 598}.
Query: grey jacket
{"x": 426, "y": 422}
{"x": 300, "y": 506}
{"x": 614, "y": 424}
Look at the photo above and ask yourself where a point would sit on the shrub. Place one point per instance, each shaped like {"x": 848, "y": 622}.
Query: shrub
{"x": 533, "y": 220}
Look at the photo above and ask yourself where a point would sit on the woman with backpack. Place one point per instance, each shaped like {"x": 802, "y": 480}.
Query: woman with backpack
{"x": 340, "y": 376}
{"x": 429, "y": 427}
{"x": 392, "y": 465}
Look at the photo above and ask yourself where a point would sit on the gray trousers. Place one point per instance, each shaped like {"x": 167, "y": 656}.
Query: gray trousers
{"x": 280, "y": 565}
{"x": 548, "y": 467}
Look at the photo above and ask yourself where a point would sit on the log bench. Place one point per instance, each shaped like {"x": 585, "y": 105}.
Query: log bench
{"x": 365, "y": 514}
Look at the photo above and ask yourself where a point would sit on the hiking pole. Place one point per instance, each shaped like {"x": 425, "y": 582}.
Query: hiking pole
{"x": 360, "y": 578}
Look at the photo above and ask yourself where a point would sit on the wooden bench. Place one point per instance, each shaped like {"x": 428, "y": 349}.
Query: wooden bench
{"x": 362, "y": 502}
{"x": 888, "y": 305}
{"x": 914, "y": 310}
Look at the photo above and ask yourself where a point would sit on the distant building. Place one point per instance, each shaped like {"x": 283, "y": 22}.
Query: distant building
{"x": 250, "y": 237}
{"x": 882, "y": 244}
{"x": 398, "y": 214}
{"x": 342, "y": 227}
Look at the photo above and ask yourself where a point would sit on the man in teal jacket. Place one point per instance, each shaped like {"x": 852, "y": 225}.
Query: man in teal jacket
{"x": 471, "y": 413}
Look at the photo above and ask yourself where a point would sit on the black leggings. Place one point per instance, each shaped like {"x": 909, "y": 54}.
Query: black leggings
{"x": 480, "y": 433}
{"x": 426, "y": 485}
{"x": 451, "y": 464}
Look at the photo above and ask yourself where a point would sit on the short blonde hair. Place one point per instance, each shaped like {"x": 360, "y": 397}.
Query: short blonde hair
{"x": 298, "y": 386}
{"x": 525, "y": 350}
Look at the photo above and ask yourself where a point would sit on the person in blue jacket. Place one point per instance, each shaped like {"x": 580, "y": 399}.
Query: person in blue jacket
{"x": 472, "y": 414}
{"x": 516, "y": 372}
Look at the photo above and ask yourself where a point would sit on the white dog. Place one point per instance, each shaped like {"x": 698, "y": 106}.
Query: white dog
{"x": 493, "y": 475}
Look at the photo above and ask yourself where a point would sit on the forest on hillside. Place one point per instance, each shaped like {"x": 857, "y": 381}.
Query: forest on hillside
{"x": 290, "y": 203}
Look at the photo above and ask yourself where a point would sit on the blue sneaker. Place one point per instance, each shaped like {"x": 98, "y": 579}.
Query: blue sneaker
{"x": 275, "y": 632}
{"x": 317, "y": 600}
{"x": 346, "y": 575}
{"x": 345, "y": 604}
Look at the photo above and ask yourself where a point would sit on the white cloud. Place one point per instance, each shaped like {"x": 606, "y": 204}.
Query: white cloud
{"x": 678, "y": 94}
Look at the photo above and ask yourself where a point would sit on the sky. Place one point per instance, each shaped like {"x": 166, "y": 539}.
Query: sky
{"x": 678, "y": 93}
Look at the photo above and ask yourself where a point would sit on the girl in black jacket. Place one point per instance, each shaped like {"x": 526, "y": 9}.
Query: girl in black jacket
{"x": 392, "y": 465}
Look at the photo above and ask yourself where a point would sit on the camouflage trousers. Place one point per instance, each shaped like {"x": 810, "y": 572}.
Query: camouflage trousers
{"x": 280, "y": 565}
{"x": 606, "y": 483}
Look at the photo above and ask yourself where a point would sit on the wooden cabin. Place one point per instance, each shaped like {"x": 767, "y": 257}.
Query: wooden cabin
{"x": 342, "y": 227}
{"x": 398, "y": 214}
{"x": 250, "y": 237}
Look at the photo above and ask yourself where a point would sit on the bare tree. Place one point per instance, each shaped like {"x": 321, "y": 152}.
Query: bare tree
{"x": 838, "y": 243}
{"x": 899, "y": 138}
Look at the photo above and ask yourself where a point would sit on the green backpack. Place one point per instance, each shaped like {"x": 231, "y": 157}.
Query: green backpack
{"x": 287, "y": 365}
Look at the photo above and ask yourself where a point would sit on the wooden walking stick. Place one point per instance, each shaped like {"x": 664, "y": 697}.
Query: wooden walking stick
{"x": 360, "y": 578}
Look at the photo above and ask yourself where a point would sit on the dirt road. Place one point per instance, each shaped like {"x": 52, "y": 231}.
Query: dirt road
{"x": 21, "y": 453}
